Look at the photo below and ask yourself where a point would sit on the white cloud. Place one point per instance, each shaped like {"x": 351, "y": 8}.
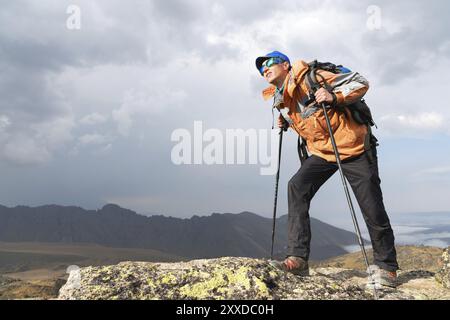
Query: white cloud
{"x": 422, "y": 238}
{"x": 435, "y": 171}
{"x": 105, "y": 149}
{"x": 422, "y": 121}
{"x": 93, "y": 119}
{"x": 23, "y": 150}
{"x": 92, "y": 139}
{"x": 54, "y": 133}
{"x": 307, "y": 30}
{"x": 401, "y": 229}
{"x": 144, "y": 102}
{"x": 123, "y": 118}
{"x": 36, "y": 143}
{"x": 418, "y": 122}
{"x": 97, "y": 144}
{"x": 4, "y": 122}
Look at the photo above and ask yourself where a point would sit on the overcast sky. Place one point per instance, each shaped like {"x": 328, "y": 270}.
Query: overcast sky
{"x": 87, "y": 114}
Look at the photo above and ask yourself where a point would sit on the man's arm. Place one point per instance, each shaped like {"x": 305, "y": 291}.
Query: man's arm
{"x": 348, "y": 87}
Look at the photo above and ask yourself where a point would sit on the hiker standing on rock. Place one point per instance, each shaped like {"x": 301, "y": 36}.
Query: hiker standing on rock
{"x": 300, "y": 110}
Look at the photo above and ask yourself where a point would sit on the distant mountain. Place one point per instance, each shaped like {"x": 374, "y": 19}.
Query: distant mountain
{"x": 245, "y": 234}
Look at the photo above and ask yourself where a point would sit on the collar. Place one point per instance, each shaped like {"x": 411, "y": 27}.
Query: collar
{"x": 281, "y": 90}
{"x": 299, "y": 68}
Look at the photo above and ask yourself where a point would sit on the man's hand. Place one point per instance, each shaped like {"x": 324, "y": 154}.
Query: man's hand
{"x": 282, "y": 123}
{"x": 322, "y": 95}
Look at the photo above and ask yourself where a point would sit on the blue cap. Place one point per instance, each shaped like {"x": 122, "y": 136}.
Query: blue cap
{"x": 273, "y": 54}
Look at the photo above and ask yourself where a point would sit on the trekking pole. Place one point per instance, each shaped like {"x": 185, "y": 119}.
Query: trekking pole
{"x": 276, "y": 191}
{"x": 347, "y": 194}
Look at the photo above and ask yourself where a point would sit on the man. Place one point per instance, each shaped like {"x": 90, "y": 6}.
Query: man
{"x": 302, "y": 112}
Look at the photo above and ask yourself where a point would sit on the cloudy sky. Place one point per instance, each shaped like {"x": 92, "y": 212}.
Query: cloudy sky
{"x": 90, "y": 96}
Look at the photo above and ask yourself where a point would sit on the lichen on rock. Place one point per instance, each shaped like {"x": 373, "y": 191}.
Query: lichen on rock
{"x": 233, "y": 278}
{"x": 443, "y": 276}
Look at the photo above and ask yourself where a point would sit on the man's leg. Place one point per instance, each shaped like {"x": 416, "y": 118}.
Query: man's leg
{"x": 301, "y": 189}
{"x": 364, "y": 179}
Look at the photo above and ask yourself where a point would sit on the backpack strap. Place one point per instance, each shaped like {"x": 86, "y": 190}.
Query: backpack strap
{"x": 311, "y": 79}
{"x": 314, "y": 85}
{"x": 301, "y": 149}
{"x": 370, "y": 145}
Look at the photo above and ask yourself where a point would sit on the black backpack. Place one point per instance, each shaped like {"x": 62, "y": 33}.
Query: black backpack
{"x": 359, "y": 110}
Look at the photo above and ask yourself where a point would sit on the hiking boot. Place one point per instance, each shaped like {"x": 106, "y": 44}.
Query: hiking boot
{"x": 292, "y": 264}
{"x": 381, "y": 278}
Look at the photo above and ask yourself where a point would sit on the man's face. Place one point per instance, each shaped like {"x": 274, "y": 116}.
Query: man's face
{"x": 276, "y": 73}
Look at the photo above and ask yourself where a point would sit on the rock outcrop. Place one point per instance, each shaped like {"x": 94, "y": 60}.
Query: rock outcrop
{"x": 241, "y": 278}
{"x": 443, "y": 276}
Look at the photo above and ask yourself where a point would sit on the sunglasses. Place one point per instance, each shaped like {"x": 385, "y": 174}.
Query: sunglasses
{"x": 270, "y": 62}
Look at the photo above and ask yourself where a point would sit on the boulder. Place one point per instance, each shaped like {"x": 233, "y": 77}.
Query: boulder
{"x": 234, "y": 278}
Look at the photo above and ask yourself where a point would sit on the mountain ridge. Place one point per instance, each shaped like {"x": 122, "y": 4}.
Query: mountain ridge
{"x": 220, "y": 234}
